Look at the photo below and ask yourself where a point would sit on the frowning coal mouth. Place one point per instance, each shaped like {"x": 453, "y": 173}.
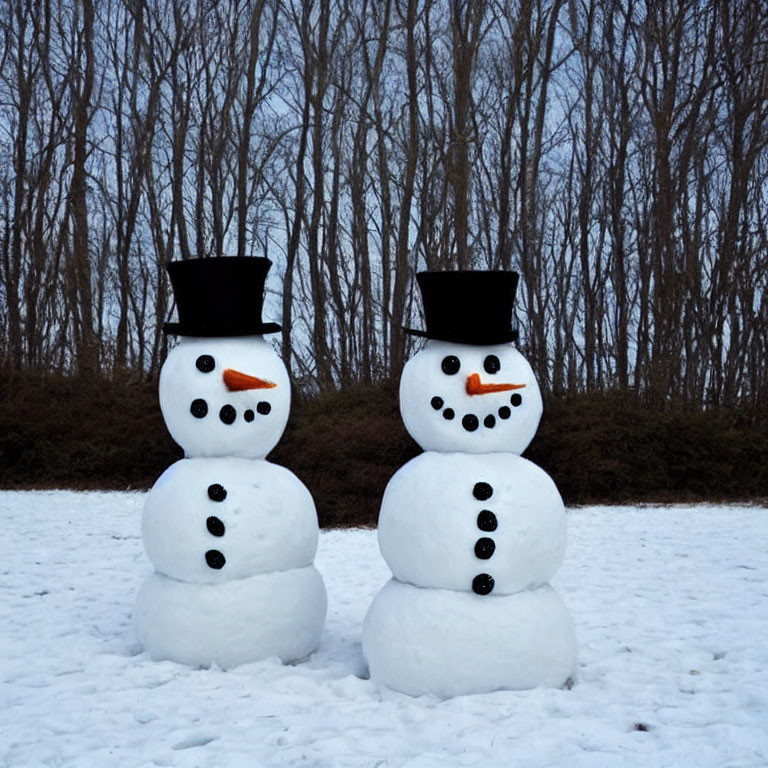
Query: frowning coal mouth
{"x": 471, "y": 421}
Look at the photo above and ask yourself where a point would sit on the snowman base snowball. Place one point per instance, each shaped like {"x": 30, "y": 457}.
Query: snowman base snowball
{"x": 447, "y": 643}
{"x": 234, "y": 622}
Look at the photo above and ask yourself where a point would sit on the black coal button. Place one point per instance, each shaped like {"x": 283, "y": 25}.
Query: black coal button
{"x": 482, "y": 584}
{"x": 217, "y": 492}
{"x": 484, "y": 548}
{"x": 216, "y": 560}
{"x": 486, "y": 521}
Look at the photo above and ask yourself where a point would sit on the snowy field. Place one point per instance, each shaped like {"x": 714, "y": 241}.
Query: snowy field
{"x": 670, "y": 606}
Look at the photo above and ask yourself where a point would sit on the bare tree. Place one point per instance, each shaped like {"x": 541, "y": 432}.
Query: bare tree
{"x": 613, "y": 153}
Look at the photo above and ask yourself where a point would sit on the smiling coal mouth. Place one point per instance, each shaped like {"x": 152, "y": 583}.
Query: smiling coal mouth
{"x": 471, "y": 421}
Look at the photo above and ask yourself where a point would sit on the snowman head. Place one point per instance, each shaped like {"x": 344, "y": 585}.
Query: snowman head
{"x": 470, "y": 399}
{"x": 223, "y": 389}
{"x": 469, "y": 390}
{"x": 225, "y": 397}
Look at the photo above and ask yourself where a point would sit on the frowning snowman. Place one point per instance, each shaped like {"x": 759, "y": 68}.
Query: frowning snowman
{"x": 471, "y": 531}
{"x": 231, "y": 536}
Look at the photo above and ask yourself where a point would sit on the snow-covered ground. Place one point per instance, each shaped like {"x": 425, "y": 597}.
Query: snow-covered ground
{"x": 670, "y": 606}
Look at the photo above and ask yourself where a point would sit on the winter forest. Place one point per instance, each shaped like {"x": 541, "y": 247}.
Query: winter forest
{"x": 614, "y": 153}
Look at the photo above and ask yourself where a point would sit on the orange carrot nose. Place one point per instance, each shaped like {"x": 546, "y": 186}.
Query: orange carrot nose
{"x": 237, "y": 381}
{"x": 476, "y": 387}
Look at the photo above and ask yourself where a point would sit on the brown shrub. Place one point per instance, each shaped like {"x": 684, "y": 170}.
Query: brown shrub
{"x": 57, "y": 432}
{"x": 72, "y": 433}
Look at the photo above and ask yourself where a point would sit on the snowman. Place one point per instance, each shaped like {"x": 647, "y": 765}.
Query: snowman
{"x": 231, "y": 537}
{"x": 471, "y": 531}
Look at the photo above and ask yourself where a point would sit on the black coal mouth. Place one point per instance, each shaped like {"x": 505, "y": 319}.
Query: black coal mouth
{"x": 228, "y": 414}
{"x": 471, "y": 421}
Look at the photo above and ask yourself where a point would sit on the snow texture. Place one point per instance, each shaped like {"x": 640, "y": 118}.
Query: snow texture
{"x": 670, "y": 605}
{"x": 428, "y": 525}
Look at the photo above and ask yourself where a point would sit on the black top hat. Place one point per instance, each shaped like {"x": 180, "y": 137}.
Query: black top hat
{"x": 470, "y": 307}
{"x": 219, "y": 297}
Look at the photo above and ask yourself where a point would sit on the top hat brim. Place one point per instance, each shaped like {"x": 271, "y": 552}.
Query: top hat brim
{"x": 485, "y": 341}
{"x": 180, "y": 329}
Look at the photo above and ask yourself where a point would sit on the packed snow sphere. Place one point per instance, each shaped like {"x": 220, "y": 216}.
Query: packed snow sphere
{"x": 232, "y": 537}
{"x": 473, "y": 534}
{"x": 280, "y": 614}
{"x": 459, "y": 397}
{"x": 211, "y": 520}
{"x": 449, "y": 643}
{"x": 471, "y": 531}
{"x": 225, "y": 397}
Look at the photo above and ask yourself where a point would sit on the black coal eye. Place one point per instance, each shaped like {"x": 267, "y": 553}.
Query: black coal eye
{"x": 451, "y": 365}
{"x": 205, "y": 363}
{"x": 491, "y": 364}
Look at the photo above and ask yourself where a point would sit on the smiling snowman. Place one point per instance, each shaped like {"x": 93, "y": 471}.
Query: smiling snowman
{"x": 232, "y": 537}
{"x": 471, "y": 531}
